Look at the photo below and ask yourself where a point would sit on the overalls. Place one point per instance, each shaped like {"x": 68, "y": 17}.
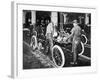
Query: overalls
{"x": 49, "y": 35}
{"x": 76, "y": 39}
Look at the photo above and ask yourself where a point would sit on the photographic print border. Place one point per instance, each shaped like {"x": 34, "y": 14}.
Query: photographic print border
{"x": 17, "y": 70}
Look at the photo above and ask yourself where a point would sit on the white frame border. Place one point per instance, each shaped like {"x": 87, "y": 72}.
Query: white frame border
{"x": 16, "y": 70}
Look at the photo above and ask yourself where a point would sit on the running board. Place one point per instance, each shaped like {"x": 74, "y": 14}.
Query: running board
{"x": 85, "y": 57}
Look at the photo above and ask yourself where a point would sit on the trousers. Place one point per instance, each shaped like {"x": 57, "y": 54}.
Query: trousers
{"x": 75, "y": 44}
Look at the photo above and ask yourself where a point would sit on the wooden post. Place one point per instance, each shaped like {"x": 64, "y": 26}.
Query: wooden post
{"x": 61, "y": 21}
{"x": 86, "y": 18}
{"x": 54, "y": 18}
{"x": 24, "y": 14}
{"x": 33, "y": 17}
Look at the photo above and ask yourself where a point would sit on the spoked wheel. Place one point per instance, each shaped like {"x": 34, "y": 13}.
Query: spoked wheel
{"x": 33, "y": 43}
{"x": 80, "y": 48}
{"x": 58, "y": 56}
{"x": 84, "y": 39}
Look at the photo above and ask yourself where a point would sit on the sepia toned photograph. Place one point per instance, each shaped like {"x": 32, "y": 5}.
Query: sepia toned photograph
{"x": 54, "y": 39}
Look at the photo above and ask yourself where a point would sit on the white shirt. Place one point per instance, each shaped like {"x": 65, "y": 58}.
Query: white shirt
{"x": 49, "y": 28}
{"x": 76, "y": 32}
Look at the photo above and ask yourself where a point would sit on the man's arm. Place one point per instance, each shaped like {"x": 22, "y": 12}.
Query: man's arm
{"x": 71, "y": 35}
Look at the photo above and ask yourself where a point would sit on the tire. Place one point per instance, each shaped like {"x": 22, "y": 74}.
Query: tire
{"x": 84, "y": 39}
{"x": 58, "y": 56}
{"x": 82, "y": 50}
{"x": 33, "y": 43}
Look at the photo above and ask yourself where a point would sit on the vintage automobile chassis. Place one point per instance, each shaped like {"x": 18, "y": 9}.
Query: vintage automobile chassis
{"x": 61, "y": 52}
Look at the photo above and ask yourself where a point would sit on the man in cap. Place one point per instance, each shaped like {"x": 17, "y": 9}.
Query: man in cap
{"x": 76, "y": 38}
{"x": 49, "y": 34}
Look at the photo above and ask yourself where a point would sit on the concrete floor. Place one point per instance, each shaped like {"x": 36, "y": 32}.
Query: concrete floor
{"x": 37, "y": 59}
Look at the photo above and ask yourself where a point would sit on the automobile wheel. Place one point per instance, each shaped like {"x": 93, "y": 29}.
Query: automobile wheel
{"x": 84, "y": 39}
{"x": 81, "y": 48}
{"x": 58, "y": 56}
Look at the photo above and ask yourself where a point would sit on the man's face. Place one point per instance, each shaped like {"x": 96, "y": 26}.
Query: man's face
{"x": 74, "y": 24}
